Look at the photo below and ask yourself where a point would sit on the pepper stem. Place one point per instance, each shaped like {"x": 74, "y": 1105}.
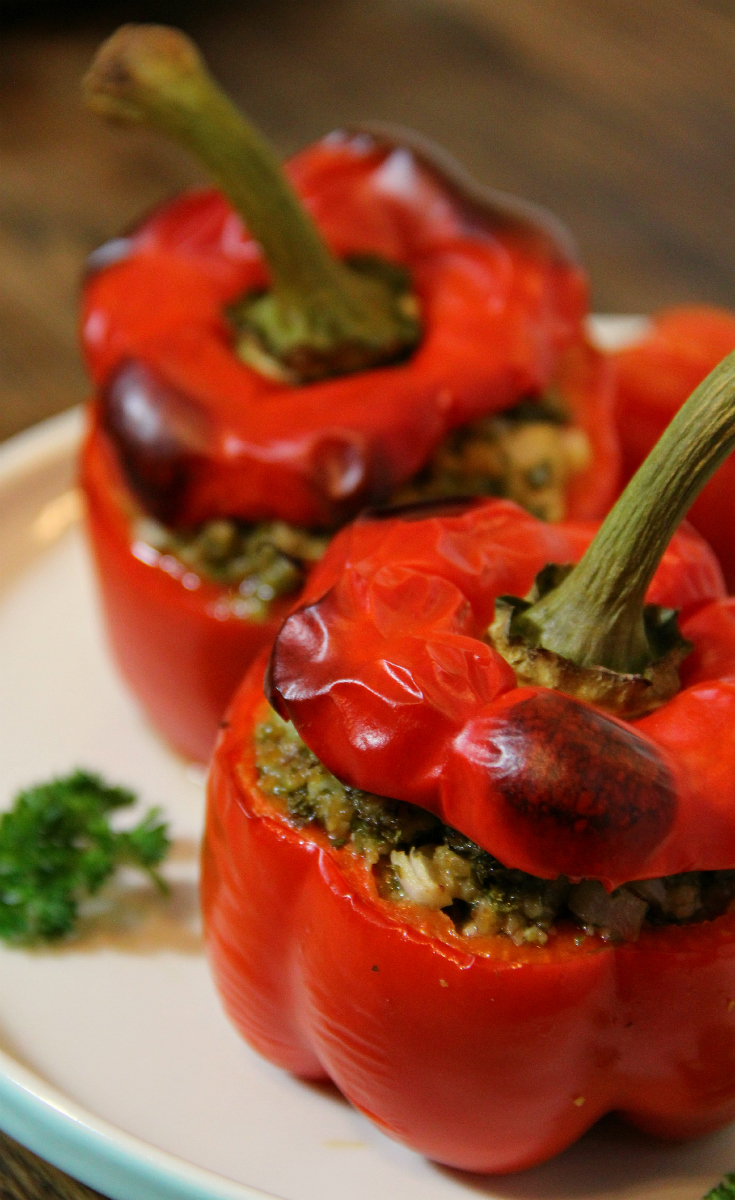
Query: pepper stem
{"x": 319, "y": 310}
{"x": 595, "y": 617}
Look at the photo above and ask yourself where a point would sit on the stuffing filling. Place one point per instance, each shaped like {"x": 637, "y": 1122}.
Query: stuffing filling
{"x": 256, "y": 563}
{"x": 526, "y": 454}
{"x": 417, "y": 859}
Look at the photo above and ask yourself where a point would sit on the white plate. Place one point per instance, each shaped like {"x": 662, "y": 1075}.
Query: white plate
{"x": 116, "y": 1062}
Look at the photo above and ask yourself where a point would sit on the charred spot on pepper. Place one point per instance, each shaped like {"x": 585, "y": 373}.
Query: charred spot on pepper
{"x": 158, "y": 432}
{"x": 579, "y": 783}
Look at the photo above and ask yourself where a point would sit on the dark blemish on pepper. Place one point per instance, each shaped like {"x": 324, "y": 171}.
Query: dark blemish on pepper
{"x": 582, "y": 783}
{"x": 375, "y": 968}
{"x": 159, "y": 434}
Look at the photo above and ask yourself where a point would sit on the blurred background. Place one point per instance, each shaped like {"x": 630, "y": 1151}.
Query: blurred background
{"x": 617, "y": 114}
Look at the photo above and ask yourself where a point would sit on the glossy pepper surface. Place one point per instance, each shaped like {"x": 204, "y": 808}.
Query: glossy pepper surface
{"x": 186, "y": 431}
{"x": 501, "y": 309}
{"x": 501, "y": 318}
{"x": 653, "y": 379}
{"x": 476, "y": 1053}
{"x": 385, "y": 674}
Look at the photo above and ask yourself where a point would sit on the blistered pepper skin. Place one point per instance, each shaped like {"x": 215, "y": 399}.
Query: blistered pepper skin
{"x": 653, "y": 379}
{"x": 388, "y": 677}
{"x": 185, "y": 431}
{"x": 477, "y": 1054}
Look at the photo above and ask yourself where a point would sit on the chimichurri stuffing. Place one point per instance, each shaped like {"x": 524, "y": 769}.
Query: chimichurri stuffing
{"x": 526, "y": 454}
{"x": 418, "y": 859}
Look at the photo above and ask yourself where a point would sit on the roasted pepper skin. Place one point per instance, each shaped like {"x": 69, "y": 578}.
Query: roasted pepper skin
{"x": 500, "y": 309}
{"x": 193, "y": 433}
{"x": 385, "y": 673}
{"x": 477, "y": 1054}
{"x": 481, "y": 1055}
{"x": 653, "y": 379}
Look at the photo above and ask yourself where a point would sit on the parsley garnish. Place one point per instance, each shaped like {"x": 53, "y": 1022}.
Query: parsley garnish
{"x": 723, "y": 1191}
{"x": 57, "y": 847}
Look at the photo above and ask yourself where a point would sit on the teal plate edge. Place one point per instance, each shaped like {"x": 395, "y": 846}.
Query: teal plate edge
{"x": 105, "y": 1158}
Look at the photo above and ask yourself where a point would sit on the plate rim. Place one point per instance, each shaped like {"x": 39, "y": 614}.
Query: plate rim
{"x": 46, "y": 441}
{"x": 97, "y": 1152}
{"x": 32, "y": 1111}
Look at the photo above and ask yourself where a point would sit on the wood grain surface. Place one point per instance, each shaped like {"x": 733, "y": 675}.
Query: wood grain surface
{"x": 23, "y": 1176}
{"x": 617, "y": 114}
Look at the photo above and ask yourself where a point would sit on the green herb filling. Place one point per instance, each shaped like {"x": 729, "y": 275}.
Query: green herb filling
{"x": 416, "y": 858}
{"x": 526, "y": 454}
{"x": 258, "y": 563}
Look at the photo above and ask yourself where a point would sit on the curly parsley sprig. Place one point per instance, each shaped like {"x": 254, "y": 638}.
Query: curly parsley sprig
{"x": 57, "y": 848}
{"x": 723, "y": 1191}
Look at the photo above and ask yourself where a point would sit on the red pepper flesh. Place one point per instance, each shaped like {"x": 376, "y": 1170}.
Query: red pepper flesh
{"x": 186, "y": 430}
{"x": 384, "y": 674}
{"x": 181, "y": 650}
{"x": 478, "y": 1054}
{"x": 653, "y": 379}
{"x": 498, "y": 315}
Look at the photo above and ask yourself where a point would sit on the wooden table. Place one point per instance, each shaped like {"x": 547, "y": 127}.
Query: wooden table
{"x": 23, "y": 1176}
{"x": 617, "y": 114}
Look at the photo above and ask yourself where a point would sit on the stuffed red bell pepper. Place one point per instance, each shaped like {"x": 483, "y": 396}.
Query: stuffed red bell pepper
{"x": 654, "y": 377}
{"x": 477, "y": 867}
{"x": 271, "y": 357}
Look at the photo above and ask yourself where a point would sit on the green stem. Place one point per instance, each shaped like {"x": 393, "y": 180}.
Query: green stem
{"x": 595, "y": 616}
{"x": 152, "y": 75}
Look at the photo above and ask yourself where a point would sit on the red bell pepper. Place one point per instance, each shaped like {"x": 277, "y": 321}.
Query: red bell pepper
{"x": 184, "y": 429}
{"x": 405, "y": 706}
{"x": 653, "y": 379}
{"x": 481, "y": 1054}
